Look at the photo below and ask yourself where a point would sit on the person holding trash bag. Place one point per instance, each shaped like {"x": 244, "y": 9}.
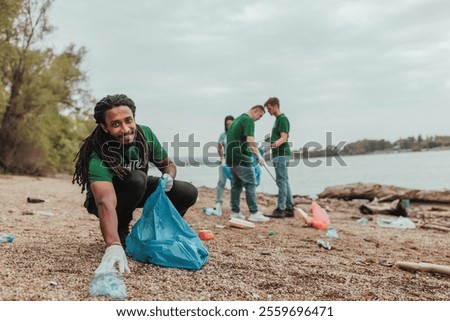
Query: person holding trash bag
{"x": 281, "y": 153}
{"x": 241, "y": 147}
{"x": 112, "y": 166}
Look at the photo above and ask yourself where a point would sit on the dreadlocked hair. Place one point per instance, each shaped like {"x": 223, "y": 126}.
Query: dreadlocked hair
{"x": 103, "y": 144}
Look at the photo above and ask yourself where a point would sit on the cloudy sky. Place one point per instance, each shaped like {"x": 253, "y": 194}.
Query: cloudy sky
{"x": 359, "y": 69}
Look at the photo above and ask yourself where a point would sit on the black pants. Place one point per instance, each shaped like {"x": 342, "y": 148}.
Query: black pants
{"x": 133, "y": 191}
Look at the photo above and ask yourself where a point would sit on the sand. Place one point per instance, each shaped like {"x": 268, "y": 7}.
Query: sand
{"x": 54, "y": 255}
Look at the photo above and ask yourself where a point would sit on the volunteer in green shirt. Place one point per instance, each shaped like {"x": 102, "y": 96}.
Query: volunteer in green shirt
{"x": 240, "y": 148}
{"x": 281, "y": 154}
{"x": 112, "y": 166}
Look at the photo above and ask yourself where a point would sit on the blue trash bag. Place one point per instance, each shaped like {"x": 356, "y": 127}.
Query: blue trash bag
{"x": 256, "y": 166}
{"x": 227, "y": 172}
{"x": 162, "y": 237}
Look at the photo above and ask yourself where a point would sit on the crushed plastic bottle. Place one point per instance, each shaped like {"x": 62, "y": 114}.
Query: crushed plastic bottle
{"x": 212, "y": 211}
{"x": 6, "y": 238}
{"x": 323, "y": 244}
{"x": 108, "y": 283}
{"x": 332, "y": 233}
{"x": 362, "y": 220}
{"x": 400, "y": 222}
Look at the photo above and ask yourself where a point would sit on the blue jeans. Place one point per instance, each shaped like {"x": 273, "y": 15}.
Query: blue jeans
{"x": 284, "y": 190}
{"x": 221, "y": 184}
{"x": 243, "y": 177}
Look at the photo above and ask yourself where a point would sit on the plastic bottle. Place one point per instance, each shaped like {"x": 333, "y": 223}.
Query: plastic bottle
{"x": 212, "y": 211}
{"x": 332, "y": 233}
{"x": 6, "y": 238}
{"x": 108, "y": 283}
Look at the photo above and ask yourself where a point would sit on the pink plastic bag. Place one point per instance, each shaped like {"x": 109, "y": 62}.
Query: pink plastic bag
{"x": 320, "y": 219}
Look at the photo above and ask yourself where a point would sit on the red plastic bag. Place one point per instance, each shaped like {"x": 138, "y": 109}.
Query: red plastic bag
{"x": 320, "y": 219}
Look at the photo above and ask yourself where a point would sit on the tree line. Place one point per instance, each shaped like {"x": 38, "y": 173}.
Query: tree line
{"x": 42, "y": 95}
{"x": 370, "y": 146}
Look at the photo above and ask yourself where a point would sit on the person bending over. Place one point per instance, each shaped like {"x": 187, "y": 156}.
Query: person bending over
{"x": 112, "y": 166}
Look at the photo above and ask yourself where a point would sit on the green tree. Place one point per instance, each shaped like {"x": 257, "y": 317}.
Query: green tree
{"x": 41, "y": 93}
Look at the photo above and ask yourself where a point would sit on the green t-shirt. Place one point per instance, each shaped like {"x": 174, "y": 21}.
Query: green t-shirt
{"x": 130, "y": 158}
{"x": 238, "y": 153}
{"x": 281, "y": 126}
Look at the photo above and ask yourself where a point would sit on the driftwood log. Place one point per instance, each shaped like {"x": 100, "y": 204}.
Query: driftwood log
{"x": 394, "y": 208}
{"x": 384, "y": 193}
{"x": 425, "y": 267}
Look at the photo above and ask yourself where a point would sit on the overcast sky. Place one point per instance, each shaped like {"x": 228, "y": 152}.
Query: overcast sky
{"x": 359, "y": 69}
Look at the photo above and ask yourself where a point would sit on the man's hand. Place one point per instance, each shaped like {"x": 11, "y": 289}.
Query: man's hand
{"x": 169, "y": 183}
{"x": 261, "y": 160}
{"x": 113, "y": 254}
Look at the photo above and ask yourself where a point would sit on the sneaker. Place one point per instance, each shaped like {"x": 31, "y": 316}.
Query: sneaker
{"x": 277, "y": 213}
{"x": 258, "y": 217}
{"x": 237, "y": 215}
{"x": 289, "y": 212}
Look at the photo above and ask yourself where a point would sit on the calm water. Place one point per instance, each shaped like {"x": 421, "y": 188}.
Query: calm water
{"x": 421, "y": 170}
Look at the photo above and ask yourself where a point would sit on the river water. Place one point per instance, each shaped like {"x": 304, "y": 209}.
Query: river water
{"x": 422, "y": 170}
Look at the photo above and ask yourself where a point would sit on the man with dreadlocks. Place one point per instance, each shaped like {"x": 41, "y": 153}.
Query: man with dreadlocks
{"x": 112, "y": 166}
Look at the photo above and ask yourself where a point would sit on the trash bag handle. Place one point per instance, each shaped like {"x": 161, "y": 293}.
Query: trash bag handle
{"x": 162, "y": 182}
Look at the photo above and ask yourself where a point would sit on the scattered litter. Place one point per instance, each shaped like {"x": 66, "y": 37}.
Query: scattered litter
{"x": 362, "y": 220}
{"x": 320, "y": 218}
{"x": 240, "y": 223}
{"x": 384, "y": 262}
{"x": 34, "y": 199}
{"x": 272, "y": 233}
{"x": 205, "y": 235}
{"x": 27, "y": 213}
{"x": 6, "y": 238}
{"x": 400, "y": 222}
{"x": 108, "y": 283}
{"x": 323, "y": 244}
{"x": 219, "y": 226}
{"x": 44, "y": 213}
{"x": 406, "y": 203}
{"x": 332, "y": 233}
{"x": 212, "y": 211}
{"x": 52, "y": 282}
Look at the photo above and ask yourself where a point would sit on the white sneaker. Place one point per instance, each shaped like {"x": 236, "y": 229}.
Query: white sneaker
{"x": 237, "y": 215}
{"x": 258, "y": 217}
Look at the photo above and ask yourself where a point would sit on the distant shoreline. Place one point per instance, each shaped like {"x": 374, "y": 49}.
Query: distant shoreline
{"x": 381, "y": 152}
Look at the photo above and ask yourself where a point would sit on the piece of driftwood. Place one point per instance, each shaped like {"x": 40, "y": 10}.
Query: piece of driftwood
{"x": 425, "y": 267}
{"x": 435, "y": 227}
{"x": 385, "y": 193}
{"x": 438, "y": 209}
{"x": 394, "y": 208}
